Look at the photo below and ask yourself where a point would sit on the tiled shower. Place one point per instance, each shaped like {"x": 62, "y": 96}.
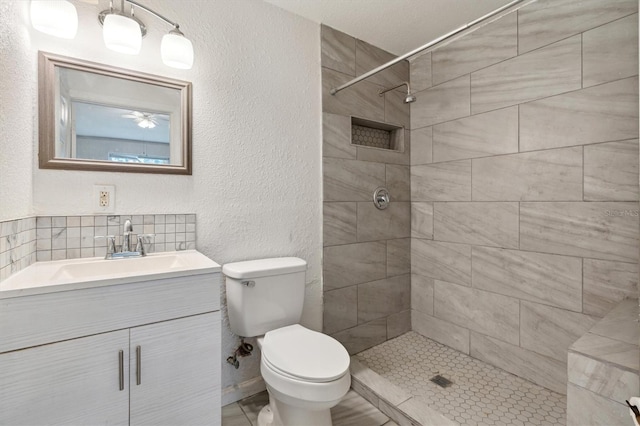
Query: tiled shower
{"x": 513, "y": 227}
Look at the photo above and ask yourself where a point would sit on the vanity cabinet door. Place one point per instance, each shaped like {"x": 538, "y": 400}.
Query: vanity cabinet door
{"x": 175, "y": 372}
{"x": 74, "y": 382}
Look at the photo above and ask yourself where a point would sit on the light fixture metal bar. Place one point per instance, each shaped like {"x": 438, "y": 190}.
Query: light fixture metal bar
{"x": 154, "y": 13}
{"x": 425, "y": 46}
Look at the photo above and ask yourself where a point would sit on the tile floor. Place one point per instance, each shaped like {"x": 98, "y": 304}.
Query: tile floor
{"x": 353, "y": 410}
{"x": 480, "y": 394}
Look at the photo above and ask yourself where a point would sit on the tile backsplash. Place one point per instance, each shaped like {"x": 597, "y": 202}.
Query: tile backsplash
{"x": 17, "y": 245}
{"x": 25, "y": 241}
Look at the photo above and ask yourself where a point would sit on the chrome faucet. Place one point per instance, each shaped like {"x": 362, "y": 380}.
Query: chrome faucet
{"x": 125, "y": 249}
{"x": 126, "y": 234}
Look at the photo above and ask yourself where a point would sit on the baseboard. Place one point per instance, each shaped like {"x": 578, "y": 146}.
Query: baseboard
{"x": 242, "y": 390}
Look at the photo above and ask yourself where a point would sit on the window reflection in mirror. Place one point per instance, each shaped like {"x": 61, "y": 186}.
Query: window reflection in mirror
{"x": 106, "y": 119}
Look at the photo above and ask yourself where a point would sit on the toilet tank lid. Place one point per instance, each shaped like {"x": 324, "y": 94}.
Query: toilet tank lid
{"x": 264, "y": 267}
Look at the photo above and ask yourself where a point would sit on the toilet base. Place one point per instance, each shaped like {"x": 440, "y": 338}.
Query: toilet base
{"x": 277, "y": 413}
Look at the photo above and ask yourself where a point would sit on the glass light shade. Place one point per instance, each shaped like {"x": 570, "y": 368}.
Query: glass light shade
{"x": 122, "y": 34}
{"x": 176, "y": 51}
{"x": 54, "y": 17}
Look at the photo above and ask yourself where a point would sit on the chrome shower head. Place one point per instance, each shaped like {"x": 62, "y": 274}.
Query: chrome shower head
{"x": 407, "y": 99}
{"x": 410, "y": 98}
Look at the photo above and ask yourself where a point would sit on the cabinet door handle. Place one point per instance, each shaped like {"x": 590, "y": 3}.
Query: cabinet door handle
{"x": 121, "y": 368}
{"x": 138, "y": 365}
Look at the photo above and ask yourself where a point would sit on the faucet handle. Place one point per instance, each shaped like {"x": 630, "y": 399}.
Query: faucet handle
{"x": 111, "y": 244}
{"x": 140, "y": 245}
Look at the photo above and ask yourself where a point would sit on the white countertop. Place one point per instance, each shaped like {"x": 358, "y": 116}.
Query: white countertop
{"x": 75, "y": 274}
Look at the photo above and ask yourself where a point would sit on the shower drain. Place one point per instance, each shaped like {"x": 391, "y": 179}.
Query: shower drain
{"x": 441, "y": 381}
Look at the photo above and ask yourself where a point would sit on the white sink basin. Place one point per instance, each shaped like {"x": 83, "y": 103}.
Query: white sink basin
{"x": 73, "y": 274}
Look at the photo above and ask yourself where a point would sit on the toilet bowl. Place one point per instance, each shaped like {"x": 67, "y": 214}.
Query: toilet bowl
{"x": 306, "y": 373}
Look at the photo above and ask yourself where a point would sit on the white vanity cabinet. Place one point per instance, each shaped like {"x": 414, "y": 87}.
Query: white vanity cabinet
{"x": 75, "y": 382}
{"x": 173, "y": 370}
{"x": 140, "y": 353}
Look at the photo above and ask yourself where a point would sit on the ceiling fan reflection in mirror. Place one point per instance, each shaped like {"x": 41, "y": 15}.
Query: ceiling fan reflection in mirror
{"x": 146, "y": 120}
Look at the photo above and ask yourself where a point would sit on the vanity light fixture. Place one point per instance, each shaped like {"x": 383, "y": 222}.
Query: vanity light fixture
{"x": 54, "y": 17}
{"x": 124, "y": 34}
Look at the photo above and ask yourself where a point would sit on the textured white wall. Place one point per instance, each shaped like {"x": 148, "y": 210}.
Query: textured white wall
{"x": 256, "y": 184}
{"x": 17, "y": 121}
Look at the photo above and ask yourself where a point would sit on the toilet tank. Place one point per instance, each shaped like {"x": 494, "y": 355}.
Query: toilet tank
{"x": 264, "y": 294}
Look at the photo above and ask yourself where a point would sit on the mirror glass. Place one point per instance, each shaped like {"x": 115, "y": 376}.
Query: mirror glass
{"x": 94, "y": 117}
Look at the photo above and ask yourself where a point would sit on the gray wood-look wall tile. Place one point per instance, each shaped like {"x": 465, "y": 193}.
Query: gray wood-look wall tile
{"x": 369, "y": 57}
{"x": 487, "y": 313}
{"x": 606, "y": 283}
{"x": 420, "y": 71}
{"x": 552, "y": 175}
{"x": 379, "y": 299}
{"x": 602, "y": 378}
{"x": 398, "y": 182}
{"x": 340, "y": 309}
{"x": 550, "y": 331}
{"x": 613, "y": 351}
{"x": 489, "y": 224}
{"x": 360, "y": 100}
{"x": 336, "y": 136}
{"x": 338, "y": 50}
{"x": 444, "y": 102}
{"x": 421, "y": 145}
{"x": 441, "y": 331}
{"x": 398, "y": 257}
{"x": 393, "y": 222}
{"x": 549, "y": 71}
{"x": 604, "y": 113}
{"x": 545, "y": 371}
{"x": 546, "y": 21}
{"x": 339, "y": 223}
{"x": 544, "y": 278}
{"x": 486, "y": 46}
{"x": 422, "y": 294}
{"x": 422, "y": 220}
{"x": 395, "y": 110}
{"x": 363, "y": 336}
{"x": 621, "y": 323}
{"x": 610, "y": 52}
{"x": 449, "y": 181}
{"x": 588, "y": 408}
{"x": 353, "y": 264}
{"x": 351, "y": 180}
{"x": 481, "y": 135}
{"x": 398, "y": 324}
{"x": 611, "y": 171}
{"x": 591, "y": 229}
{"x": 442, "y": 261}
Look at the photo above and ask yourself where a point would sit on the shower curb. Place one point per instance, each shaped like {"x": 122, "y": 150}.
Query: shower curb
{"x": 394, "y": 402}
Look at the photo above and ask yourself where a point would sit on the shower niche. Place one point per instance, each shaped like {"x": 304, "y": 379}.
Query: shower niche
{"x": 373, "y": 134}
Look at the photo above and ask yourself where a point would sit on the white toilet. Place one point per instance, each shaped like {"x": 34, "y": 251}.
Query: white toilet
{"x": 306, "y": 372}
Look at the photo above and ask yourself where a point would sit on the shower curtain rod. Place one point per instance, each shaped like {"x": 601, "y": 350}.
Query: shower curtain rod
{"x": 426, "y": 46}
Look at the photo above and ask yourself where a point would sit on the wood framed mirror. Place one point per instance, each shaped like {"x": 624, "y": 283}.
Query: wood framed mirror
{"x": 99, "y": 117}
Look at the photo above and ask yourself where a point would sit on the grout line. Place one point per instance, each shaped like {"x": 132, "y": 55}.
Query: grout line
{"x": 583, "y": 173}
{"x": 582, "y": 60}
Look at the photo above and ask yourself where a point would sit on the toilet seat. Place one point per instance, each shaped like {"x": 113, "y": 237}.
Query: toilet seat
{"x": 304, "y": 355}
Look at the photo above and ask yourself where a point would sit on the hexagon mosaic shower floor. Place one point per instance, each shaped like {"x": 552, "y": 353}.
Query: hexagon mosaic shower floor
{"x": 480, "y": 394}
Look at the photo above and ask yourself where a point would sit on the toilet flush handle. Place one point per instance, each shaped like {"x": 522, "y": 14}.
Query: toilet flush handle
{"x": 249, "y": 284}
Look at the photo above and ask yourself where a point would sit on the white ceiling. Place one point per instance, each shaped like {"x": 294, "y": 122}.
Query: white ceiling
{"x": 397, "y": 26}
